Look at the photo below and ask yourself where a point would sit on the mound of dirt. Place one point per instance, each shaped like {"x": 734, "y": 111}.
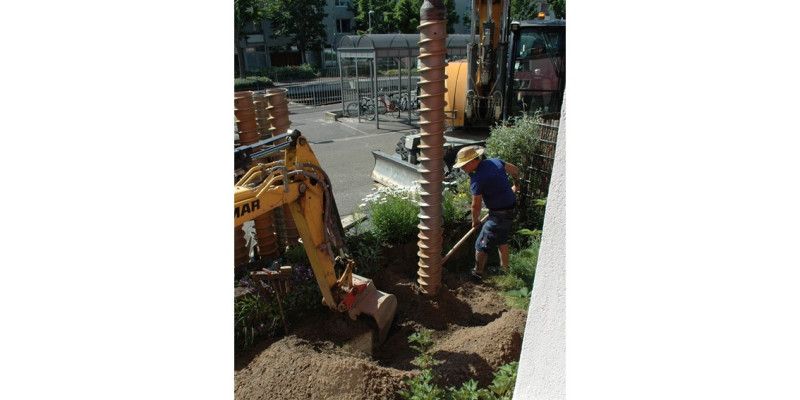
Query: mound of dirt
{"x": 331, "y": 357}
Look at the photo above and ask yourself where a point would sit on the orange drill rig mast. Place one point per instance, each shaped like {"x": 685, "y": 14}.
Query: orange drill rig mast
{"x": 486, "y": 67}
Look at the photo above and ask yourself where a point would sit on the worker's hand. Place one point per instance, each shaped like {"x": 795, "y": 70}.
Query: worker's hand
{"x": 515, "y": 189}
{"x": 476, "y": 223}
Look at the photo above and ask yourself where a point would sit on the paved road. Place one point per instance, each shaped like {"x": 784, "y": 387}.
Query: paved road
{"x": 344, "y": 149}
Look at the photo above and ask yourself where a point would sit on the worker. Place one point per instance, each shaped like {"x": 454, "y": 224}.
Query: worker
{"x": 489, "y": 184}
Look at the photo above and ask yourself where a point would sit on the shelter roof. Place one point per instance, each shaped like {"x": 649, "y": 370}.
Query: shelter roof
{"x": 394, "y": 45}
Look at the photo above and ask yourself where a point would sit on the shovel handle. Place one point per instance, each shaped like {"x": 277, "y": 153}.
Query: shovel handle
{"x": 463, "y": 239}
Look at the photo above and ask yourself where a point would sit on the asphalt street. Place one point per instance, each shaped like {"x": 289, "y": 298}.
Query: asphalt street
{"x": 344, "y": 148}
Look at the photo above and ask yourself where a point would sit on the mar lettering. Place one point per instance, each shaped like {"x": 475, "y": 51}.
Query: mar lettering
{"x": 245, "y": 209}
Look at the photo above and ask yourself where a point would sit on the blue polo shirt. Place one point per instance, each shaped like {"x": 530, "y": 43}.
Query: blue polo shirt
{"x": 490, "y": 181}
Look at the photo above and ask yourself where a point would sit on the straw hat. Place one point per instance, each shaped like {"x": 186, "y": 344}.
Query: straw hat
{"x": 467, "y": 154}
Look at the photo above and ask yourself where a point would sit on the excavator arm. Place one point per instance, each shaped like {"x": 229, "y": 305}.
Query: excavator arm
{"x": 299, "y": 182}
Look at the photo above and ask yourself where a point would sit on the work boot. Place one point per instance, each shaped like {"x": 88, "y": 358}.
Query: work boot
{"x": 476, "y": 277}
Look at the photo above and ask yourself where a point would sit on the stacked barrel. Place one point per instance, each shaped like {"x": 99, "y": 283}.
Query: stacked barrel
{"x": 262, "y": 116}
{"x": 278, "y": 110}
{"x": 250, "y": 112}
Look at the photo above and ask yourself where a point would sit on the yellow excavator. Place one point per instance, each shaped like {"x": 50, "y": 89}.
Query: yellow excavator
{"x": 299, "y": 182}
{"x": 512, "y": 68}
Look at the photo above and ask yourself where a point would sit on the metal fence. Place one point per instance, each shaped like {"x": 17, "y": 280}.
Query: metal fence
{"x": 327, "y": 87}
{"x": 536, "y": 171}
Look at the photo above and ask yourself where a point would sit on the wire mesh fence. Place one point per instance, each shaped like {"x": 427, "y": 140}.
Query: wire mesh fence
{"x": 536, "y": 171}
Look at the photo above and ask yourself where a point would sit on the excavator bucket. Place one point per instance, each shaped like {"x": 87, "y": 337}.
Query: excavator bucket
{"x": 377, "y": 304}
{"x": 394, "y": 171}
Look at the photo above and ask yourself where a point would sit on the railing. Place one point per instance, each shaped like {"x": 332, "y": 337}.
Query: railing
{"x": 327, "y": 87}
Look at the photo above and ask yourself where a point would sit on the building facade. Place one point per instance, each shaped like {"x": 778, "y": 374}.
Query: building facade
{"x": 261, "y": 51}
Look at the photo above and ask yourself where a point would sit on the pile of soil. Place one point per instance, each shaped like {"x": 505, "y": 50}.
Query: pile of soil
{"x": 331, "y": 357}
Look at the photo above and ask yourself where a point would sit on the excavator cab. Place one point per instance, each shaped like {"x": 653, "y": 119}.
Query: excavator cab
{"x": 537, "y": 68}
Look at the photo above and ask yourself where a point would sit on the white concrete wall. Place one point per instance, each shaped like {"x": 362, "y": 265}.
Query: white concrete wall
{"x": 542, "y": 369}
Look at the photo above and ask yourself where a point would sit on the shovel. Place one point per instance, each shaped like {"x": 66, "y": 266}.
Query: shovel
{"x": 464, "y": 239}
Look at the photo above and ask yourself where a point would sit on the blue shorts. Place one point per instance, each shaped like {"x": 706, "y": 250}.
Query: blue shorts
{"x": 495, "y": 230}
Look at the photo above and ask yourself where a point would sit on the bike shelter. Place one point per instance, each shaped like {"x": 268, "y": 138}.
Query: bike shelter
{"x": 359, "y": 57}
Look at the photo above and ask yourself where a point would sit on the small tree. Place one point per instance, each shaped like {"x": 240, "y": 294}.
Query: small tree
{"x": 452, "y": 15}
{"x": 300, "y": 21}
{"x": 406, "y": 15}
{"x": 244, "y": 12}
{"x": 523, "y": 9}
{"x": 559, "y": 8}
{"x": 382, "y": 16}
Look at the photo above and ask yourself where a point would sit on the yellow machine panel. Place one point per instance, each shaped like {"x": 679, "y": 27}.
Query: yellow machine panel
{"x": 456, "y": 95}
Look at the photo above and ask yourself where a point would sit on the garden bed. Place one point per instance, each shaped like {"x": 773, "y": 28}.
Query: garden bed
{"x": 328, "y": 356}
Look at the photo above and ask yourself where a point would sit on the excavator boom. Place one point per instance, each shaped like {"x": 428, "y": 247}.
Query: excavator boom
{"x": 299, "y": 182}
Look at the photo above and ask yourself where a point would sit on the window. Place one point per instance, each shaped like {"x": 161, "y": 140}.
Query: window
{"x": 343, "y": 26}
{"x": 342, "y": 3}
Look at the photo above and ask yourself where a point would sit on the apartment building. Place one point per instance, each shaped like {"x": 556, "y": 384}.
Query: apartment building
{"x": 262, "y": 51}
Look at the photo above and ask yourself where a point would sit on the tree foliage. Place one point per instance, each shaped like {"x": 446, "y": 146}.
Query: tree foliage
{"x": 452, "y": 15}
{"x": 405, "y": 16}
{"x": 526, "y": 9}
{"x": 300, "y": 21}
{"x": 382, "y": 17}
{"x": 523, "y": 9}
{"x": 559, "y": 8}
{"x": 245, "y": 12}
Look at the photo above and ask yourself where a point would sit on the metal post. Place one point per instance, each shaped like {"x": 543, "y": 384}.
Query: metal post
{"x": 341, "y": 79}
{"x": 358, "y": 92}
{"x": 375, "y": 89}
{"x": 408, "y": 89}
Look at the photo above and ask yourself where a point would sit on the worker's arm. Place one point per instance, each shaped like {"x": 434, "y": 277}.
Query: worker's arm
{"x": 513, "y": 171}
{"x": 476, "y": 209}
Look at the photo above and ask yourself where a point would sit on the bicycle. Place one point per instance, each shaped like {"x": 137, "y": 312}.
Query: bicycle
{"x": 407, "y": 102}
{"x": 364, "y": 107}
{"x": 388, "y": 103}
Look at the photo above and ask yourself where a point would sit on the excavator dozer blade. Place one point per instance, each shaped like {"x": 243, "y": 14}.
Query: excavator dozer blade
{"x": 394, "y": 171}
{"x": 377, "y": 304}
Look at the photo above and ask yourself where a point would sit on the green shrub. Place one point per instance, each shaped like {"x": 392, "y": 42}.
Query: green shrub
{"x": 522, "y": 264}
{"x": 394, "y": 214}
{"x": 424, "y": 386}
{"x": 507, "y": 281}
{"x": 252, "y": 83}
{"x": 456, "y": 202}
{"x": 289, "y": 72}
{"x": 296, "y": 255}
{"x": 254, "y": 317}
{"x": 519, "y": 298}
{"x": 395, "y": 72}
{"x": 257, "y": 315}
{"x": 516, "y": 143}
{"x": 517, "y": 282}
{"x": 366, "y": 250}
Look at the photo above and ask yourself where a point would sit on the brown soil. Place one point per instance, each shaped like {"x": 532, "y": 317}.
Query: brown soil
{"x": 332, "y": 357}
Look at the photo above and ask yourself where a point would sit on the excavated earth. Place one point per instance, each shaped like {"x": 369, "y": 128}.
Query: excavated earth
{"x": 331, "y": 357}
